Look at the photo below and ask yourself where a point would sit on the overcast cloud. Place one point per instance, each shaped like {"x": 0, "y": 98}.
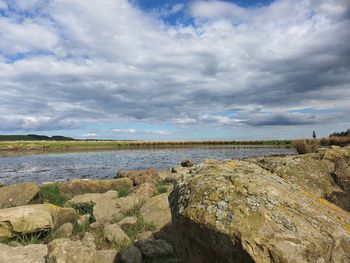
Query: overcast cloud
{"x": 77, "y": 64}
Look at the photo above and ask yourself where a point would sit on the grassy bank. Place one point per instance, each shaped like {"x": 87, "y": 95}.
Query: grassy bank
{"x": 82, "y": 145}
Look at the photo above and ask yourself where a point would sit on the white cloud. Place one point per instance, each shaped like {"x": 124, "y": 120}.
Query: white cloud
{"x": 90, "y": 134}
{"x": 103, "y": 61}
{"x": 3, "y": 5}
{"x": 124, "y": 130}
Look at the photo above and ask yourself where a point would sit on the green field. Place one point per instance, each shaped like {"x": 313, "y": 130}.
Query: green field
{"x": 82, "y": 145}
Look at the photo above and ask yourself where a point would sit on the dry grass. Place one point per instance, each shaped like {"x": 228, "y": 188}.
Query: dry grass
{"x": 305, "y": 146}
{"x": 335, "y": 140}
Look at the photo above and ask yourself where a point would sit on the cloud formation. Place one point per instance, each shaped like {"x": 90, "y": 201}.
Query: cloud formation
{"x": 65, "y": 64}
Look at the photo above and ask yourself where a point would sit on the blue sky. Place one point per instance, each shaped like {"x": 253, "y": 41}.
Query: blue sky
{"x": 175, "y": 70}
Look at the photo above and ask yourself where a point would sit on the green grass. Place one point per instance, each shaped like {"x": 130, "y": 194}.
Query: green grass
{"x": 123, "y": 191}
{"x": 28, "y": 239}
{"x": 160, "y": 190}
{"x": 49, "y": 193}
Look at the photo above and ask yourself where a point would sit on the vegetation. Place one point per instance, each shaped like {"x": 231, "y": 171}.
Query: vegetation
{"x": 123, "y": 191}
{"x": 333, "y": 140}
{"x": 160, "y": 190}
{"x": 75, "y": 145}
{"x": 341, "y": 134}
{"x": 50, "y": 193}
{"x": 305, "y": 146}
{"x": 33, "y": 137}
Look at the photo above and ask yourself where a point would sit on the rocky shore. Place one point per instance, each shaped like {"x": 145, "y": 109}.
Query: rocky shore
{"x": 268, "y": 209}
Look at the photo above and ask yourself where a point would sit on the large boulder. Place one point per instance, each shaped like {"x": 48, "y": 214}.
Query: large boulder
{"x": 130, "y": 255}
{"x": 154, "y": 248}
{"x": 105, "y": 256}
{"x": 113, "y": 233}
{"x": 33, "y": 218}
{"x": 17, "y": 194}
{"x": 235, "y": 211}
{"x": 144, "y": 191}
{"x": 64, "y": 250}
{"x": 325, "y": 174}
{"x": 78, "y": 187}
{"x": 149, "y": 175}
{"x": 23, "y": 254}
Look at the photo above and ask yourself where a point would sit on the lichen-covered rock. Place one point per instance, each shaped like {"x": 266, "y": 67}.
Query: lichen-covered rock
{"x": 64, "y": 250}
{"x": 138, "y": 177}
{"x": 17, "y": 194}
{"x": 235, "y": 211}
{"x": 33, "y": 218}
{"x": 72, "y": 188}
{"x": 23, "y": 254}
{"x": 325, "y": 174}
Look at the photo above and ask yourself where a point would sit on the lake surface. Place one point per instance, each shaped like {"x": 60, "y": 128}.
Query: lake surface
{"x": 105, "y": 164}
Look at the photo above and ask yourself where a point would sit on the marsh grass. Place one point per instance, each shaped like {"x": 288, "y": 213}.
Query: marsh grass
{"x": 50, "y": 194}
{"x": 335, "y": 140}
{"x": 160, "y": 190}
{"x": 303, "y": 146}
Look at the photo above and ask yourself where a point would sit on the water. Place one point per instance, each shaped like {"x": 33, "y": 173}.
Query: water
{"x": 105, "y": 164}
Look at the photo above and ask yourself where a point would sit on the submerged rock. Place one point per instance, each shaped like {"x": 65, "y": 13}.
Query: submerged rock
{"x": 235, "y": 211}
{"x": 18, "y": 194}
{"x": 72, "y": 188}
{"x": 23, "y": 254}
{"x": 138, "y": 177}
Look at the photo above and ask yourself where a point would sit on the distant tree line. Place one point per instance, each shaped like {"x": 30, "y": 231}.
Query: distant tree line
{"x": 341, "y": 134}
{"x": 34, "y": 137}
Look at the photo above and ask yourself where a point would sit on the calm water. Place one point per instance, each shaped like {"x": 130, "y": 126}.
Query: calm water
{"x": 105, "y": 164}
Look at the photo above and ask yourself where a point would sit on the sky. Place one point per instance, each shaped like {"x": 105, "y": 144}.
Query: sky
{"x": 173, "y": 69}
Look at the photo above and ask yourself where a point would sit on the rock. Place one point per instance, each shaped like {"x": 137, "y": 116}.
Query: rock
{"x": 64, "y": 250}
{"x": 138, "y": 177}
{"x": 235, "y": 211}
{"x": 113, "y": 233}
{"x": 17, "y": 194}
{"x": 65, "y": 230}
{"x": 145, "y": 235}
{"x": 33, "y": 218}
{"x": 128, "y": 221}
{"x": 156, "y": 211}
{"x": 110, "y": 210}
{"x": 154, "y": 248}
{"x": 84, "y": 220}
{"x": 325, "y": 174}
{"x": 186, "y": 163}
{"x": 89, "y": 237}
{"x": 92, "y": 199}
{"x": 23, "y": 254}
{"x": 105, "y": 256}
{"x": 72, "y": 188}
{"x": 173, "y": 170}
{"x": 130, "y": 255}
{"x": 144, "y": 191}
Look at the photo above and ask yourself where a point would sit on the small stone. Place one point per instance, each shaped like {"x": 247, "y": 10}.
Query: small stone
{"x": 105, "y": 256}
{"x": 128, "y": 221}
{"x": 145, "y": 235}
{"x": 113, "y": 233}
{"x": 65, "y": 230}
{"x": 154, "y": 248}
{"x": 130, "y": 255}
{"x": 186, "y": 163}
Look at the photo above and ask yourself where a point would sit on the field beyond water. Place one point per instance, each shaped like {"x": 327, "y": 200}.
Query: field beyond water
{"x": 99, "y": 144}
